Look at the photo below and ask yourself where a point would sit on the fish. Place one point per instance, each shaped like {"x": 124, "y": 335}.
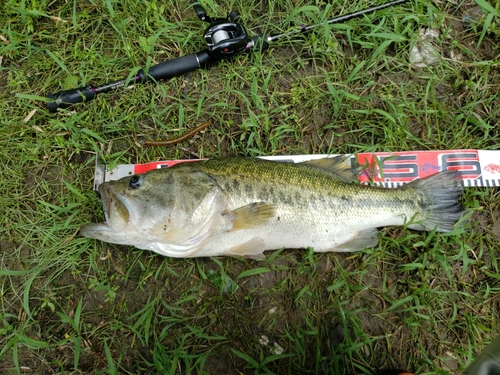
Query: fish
{"x": 245, "y": 206}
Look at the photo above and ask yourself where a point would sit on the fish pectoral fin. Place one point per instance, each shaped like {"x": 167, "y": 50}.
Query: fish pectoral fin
{"x": 253, "y": 249}
{"x": 252, "y": 215}
{"x": 340, "y": 166}
{"x": 360, "y": 241}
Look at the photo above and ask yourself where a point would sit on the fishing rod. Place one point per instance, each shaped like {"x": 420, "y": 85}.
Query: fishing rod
{"x": 225, "y": 38}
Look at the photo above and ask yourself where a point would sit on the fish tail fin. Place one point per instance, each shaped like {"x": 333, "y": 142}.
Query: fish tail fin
{"x": 440, "y": 201}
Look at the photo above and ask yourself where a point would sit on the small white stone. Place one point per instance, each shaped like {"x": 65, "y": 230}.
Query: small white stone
{"x": 264, "y": 340}
{"x": 278, "y": 349}
{"x": 423, "y": 53}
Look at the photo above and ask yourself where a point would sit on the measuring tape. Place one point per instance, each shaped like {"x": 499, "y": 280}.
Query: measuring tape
{"x": 477, "y": 168}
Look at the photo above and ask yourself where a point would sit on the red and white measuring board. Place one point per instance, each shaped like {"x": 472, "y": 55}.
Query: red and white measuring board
{"x": 390, "y": 169}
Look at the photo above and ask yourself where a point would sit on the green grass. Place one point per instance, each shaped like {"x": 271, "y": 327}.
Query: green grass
{"x": 420, "y": 301}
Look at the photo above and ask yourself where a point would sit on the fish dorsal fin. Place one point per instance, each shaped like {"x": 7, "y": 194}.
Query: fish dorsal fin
{"x": 340, "y": 166}
{"x": 252, "y": 215}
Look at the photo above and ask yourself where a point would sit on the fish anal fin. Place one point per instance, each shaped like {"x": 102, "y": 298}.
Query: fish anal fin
{"x": 360, "y": 241}
{"x": 252, "y": 215}
{"x": 340, "y": 166}
{"x": 253, "y": 249}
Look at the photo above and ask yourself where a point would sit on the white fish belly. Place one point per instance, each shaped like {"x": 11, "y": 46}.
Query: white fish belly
{"x": 299, "y": 230}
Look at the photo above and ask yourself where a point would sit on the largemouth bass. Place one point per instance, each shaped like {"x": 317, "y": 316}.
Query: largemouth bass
{"x": 244, "y": 206}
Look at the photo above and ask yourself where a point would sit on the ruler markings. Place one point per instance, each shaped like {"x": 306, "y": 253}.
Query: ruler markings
{"x": 477, "y": 168}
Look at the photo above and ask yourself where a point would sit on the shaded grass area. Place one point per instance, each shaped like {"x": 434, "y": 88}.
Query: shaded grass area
{"x": 418, "y": 301}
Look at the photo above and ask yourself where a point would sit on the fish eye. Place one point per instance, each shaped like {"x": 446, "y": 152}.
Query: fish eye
{"x": 135, "y": 181}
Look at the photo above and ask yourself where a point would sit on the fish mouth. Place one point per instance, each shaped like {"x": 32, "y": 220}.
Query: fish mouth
{"x": 115, "y": 208}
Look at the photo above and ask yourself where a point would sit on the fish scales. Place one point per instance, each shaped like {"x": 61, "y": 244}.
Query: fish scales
{"x": 244, "y": 206}
{"x": 311, "y": 189}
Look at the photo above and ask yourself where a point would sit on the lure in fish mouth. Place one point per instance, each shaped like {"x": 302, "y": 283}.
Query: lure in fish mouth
{"x": 245, "y": 206}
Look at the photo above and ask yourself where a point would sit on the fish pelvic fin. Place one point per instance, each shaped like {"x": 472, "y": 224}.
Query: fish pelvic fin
{"x": 440, "y": 201}
{"x": 252, "y": 215}
{"x": 339, "y": 166}
{"x": 360, "y": 241}
{"x": 253, "y": 249}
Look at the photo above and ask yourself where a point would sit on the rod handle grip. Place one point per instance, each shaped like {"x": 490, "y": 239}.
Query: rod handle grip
{"x": 177, "y": 66}
{"x": 66, "y": 98}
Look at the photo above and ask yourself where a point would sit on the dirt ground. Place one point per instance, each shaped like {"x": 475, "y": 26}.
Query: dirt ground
{"x": 196, "y": 306}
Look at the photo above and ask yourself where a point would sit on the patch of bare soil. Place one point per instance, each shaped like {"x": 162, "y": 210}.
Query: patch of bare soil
{"x": 288, "y": 307}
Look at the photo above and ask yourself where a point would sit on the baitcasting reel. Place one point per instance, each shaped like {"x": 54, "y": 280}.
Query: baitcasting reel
{"x": 224, "y": 37}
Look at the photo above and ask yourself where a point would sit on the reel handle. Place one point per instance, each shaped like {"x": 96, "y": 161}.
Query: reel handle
{"x": 201, "y": 12}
